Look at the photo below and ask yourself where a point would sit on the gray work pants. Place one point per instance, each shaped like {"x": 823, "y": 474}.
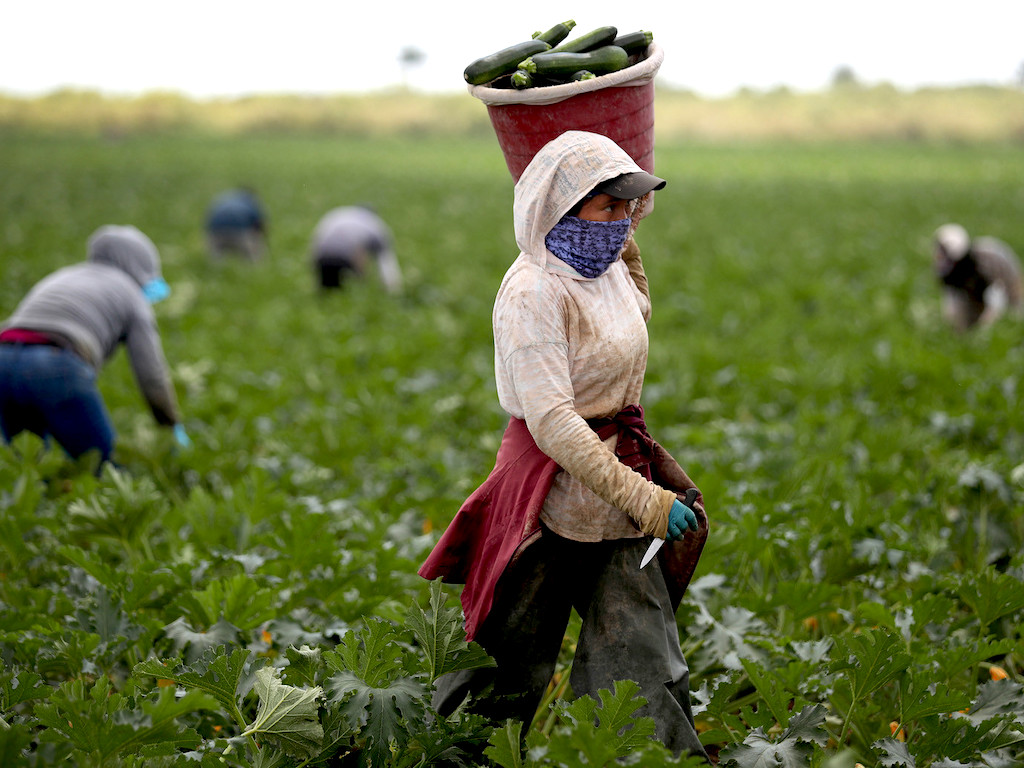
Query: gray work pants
{"x": 629, "y": 631}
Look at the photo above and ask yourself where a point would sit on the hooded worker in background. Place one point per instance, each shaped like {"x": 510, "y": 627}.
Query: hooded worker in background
{"x": 60, "y": 336}
{"x": 981, "y": 277}
{"x": 236, "y": 224}
{"x": 346, "y": 240}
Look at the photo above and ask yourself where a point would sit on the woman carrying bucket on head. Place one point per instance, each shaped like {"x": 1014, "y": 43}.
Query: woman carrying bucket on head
{"x": 579, "y": 489}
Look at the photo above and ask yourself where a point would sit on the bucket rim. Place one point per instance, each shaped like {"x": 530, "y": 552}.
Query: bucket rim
{"x": 640, "y": 73}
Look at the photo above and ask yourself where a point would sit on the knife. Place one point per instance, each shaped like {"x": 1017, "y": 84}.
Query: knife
{"x": 691, "y": 496}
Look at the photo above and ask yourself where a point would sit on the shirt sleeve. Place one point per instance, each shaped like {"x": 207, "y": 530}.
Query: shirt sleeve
{"x": 152, "y": 374}
{"x": 631, "y": 257}
{"x": 538, "y": 365}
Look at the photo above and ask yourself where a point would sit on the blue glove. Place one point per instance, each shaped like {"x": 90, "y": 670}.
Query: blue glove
{"x": 680, "y": 518}
{"x": 181, "y": 436}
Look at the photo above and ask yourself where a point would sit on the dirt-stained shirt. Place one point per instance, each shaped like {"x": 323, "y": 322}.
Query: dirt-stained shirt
{"x": 570, "y": 348}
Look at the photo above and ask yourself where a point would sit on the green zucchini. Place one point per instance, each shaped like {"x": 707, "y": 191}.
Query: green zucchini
{"x": 634, "y": 42}
{"x": 556, "y": 34}
{"x": 491, "y": 67}
{"x": 588, "y": 42}
{"x": 607, "y": 58}
{"x": 583, "y": 74}
{"x": 522, "y": 79}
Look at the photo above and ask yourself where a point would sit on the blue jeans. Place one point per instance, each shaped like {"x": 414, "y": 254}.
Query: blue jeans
{"x": 52, "y": 392}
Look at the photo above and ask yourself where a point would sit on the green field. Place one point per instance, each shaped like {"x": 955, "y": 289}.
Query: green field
{"x": 863, "y": 467}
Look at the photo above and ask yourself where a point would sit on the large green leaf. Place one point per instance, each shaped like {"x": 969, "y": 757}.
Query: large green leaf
{"x": 921, "y": 696}
{"x": 601, "y": 732}
{"x": 226, "y": 676}
{"x": 998, "y": 698}
{"x": 868, "y": 661}
{"x": 441, "y": 636}
{"x": 287, "y": 716}
{"x": 895, "y": 753}
{"x": 103, "y": 724}
{"x": 992, "y": 595}
{"x": 237, "y": 599}
{"x": 959, "y": 738}
{"x": 793, "y": 749}
{"x": 774, "y": 694}
{"x": 957, "y": 657}
{"x": 196, "y": 644}
{"x": 505, "y": 747}
{"x": 373, "y": 654}
{"x": 304, "y": 663}
{"x": 20, "y": 686}
{"x": 379, "y": 712}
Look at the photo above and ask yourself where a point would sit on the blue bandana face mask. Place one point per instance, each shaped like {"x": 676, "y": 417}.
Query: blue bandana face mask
{"x": 589, "y": 247}
{"x": 156, "y": 290}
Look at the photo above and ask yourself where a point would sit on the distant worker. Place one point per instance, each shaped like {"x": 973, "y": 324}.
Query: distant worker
{"x": 66, "y": 328}
{"x": 981, "y": 277}
{"x": 236, "y": 224}
{"x": 345, "y": 241}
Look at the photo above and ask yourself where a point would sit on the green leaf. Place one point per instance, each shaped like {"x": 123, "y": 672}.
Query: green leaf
{"x": 105, "y": 724}
{"x": 237, "y": 600}
{"x": 303, "y": 663}
{"x": 793, "y": 748}
{"x": 954, "y": 660}
{"x": 894, "y": 753}
{"x": 456, "y": 742}
{"x": 998, "y": 699}
{"x": 379, "y": 712}
{"x": 920, "y": 696}
{"x": 14, "y": 740}
{"x": 195, "y": 644}
{"x": 505, "y": 749}
{"x": 373, "y": 655}
{"x": 287, "y": 716}
{"x": 601, "y": 734}
{"x": 991, "y": 594}
{"x": 773, "y": 692}
{"x": 958, "y": 738}
{"x": 870, "y": 660}
{"x": 440, "y": 634}
{"x": 225, "y": 677}
{"x": 19, "y": 687}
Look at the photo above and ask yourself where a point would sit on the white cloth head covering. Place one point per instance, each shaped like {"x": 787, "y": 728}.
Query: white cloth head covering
{"x": 954, "y": 240}
{"x": 560, "y": 175}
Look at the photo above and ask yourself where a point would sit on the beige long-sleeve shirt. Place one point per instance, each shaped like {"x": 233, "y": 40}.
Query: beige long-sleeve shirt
{"x": 569, "y": 348}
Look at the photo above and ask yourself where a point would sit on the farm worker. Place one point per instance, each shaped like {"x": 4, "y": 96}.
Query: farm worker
{"x": 981, "y": 277}
{"x": 579, "y": 489}
{"x": 236, "y": 223}
{"x": 346, "y": 239}
{"x": 66, "y": 328}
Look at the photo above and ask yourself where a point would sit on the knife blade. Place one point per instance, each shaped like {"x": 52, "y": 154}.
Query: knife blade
{"x": 690, "y": 497}
{"x": 651, "y": 552}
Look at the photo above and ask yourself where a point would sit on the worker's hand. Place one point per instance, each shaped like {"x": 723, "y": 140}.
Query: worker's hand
{"x": 181, "y": 436}
{"x": 680, "y": 519}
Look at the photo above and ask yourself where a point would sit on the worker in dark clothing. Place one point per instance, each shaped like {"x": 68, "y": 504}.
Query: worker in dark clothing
{"x": 236, "y": 224}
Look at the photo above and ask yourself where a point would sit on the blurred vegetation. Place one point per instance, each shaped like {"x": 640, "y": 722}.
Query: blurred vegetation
{"x": 846, "y": 111}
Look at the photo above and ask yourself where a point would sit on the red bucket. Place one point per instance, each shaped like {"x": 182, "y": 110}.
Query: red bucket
{"x": 619, "y": 105}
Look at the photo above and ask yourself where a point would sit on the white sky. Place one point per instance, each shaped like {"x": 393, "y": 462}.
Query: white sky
{"x": 225, "y": 48}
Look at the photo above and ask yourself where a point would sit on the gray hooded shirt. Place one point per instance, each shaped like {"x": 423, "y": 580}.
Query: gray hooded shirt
{"x": 99, "y": 304}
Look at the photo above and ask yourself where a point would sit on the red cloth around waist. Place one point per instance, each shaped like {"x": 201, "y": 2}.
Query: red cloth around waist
{"x": 25, "y": 336}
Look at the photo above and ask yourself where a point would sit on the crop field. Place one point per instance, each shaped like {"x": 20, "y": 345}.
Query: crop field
{"x": 253, "y": 601}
